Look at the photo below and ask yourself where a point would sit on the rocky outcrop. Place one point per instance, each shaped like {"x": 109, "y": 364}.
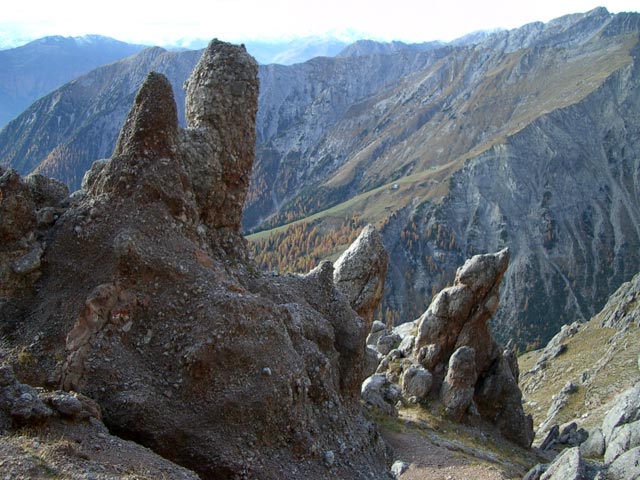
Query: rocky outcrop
{"x": 623, "y": 307}
{"x": 173, "y": 324}
{"x": 584, "y": 367}
{"x": 28, "y": 207}
{"x": 360, "y": 273}
{"x": 55, "y": 433}
{"x": 329, "y": 129}
{"x": 470, "y": 373}
{"x": 618, "y": 439}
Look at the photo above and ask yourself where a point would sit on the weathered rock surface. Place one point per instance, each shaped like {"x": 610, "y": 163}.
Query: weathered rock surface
{"x": 28, "y": 207}
{"x": 467, "y": 370}
{"x": 626, "y": 466}
{"x": 172, "y": 313}
{"x": 416, "y": 382}
{"x": 593, "y": 446}
{"x": 559, "y": 401}
{"x": 45, "y": 434}
{"x": 622, "y": 308}
{"x": 378, "y": 392}
{"x": 457, "y": 321}
{"x": 625, "y": 410}
{"x": 459, "y": 384}
{"x": 556, "y": 347}
{"x": 330, "y": 127}
{"x": 618, "y": 440}
{"x": 360, "y": 273}
{"x": 459, "y": 315}
{"x": 623, "y": 438}
{"x": 567, "y": 466}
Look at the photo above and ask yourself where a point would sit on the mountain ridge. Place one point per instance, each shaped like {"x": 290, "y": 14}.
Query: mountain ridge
{"x": 332, "y": 131}
{"x": 38, "y": 67}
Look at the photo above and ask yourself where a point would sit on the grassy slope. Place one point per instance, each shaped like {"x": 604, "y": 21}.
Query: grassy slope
{"x": 608, "y": 357}
{"x": 535, "y": 95}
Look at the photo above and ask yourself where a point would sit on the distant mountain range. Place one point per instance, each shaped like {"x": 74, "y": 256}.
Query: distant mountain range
{"x": 30, "y": 71}
{"x": 35, "y": 69}
{"x": 524, "y": 138}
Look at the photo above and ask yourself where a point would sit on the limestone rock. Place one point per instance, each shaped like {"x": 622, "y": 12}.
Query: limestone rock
{"x": 458, "y": 315}
{"x": 625, "y": 410}
{"x": 377, "y": 330}
{"x": 594, "y": 445}
{"x": 626, "y": 466}
{"x": 398, "y": 468}
{"x": 387, "y": 342}
{"x": 622, "y": 309}
{"x": 372, "y": 360}
{"x": 623, "y": 438}
{"x": 536, "y": 472}
{"x": 416, "y": 382}
{"x": 360, "y": 273}
{"x": 498, "y": 397}
{"x": 556, "y": 347}
{"x": 558, "y": 403}
{"x": 457, "y": 321}
{"x": 566, "y": 466}
{"x": 379, "y": 393}
{"x": 458, "y": 386}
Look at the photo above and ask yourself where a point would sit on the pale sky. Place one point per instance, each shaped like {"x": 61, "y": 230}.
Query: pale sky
{"x": 164, "y": 22}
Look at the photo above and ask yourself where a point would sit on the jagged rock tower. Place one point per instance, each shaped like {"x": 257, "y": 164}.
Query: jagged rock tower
{"x": 146, "y": 301}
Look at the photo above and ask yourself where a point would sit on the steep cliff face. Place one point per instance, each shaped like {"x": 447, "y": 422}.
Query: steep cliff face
{"x": 454, "y": 103}
{"x": 148, "y": 303}
{"x": 525, "y": 140}
{"x": 563, "y": 195}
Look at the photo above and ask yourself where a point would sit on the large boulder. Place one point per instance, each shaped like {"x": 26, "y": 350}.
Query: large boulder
{"x": 416, "y": 382}
{"x": 626, "y": 466}
{"x": 626, "y": 409}
{"x": 459, "y": 384}
{"x": 150, "y": 304}
{"x": 360, "y": 273}
{"x": 566, "y": 466}
{"x": 458, "y": 321}
{"x": 623, "y": 438}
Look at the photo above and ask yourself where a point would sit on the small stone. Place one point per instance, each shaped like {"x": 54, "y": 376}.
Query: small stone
{"x": 329, "y": 458}
{"x": 398, "y": 468}
{"x": 65, "y": 403}
{"x": 30, "y": 262}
